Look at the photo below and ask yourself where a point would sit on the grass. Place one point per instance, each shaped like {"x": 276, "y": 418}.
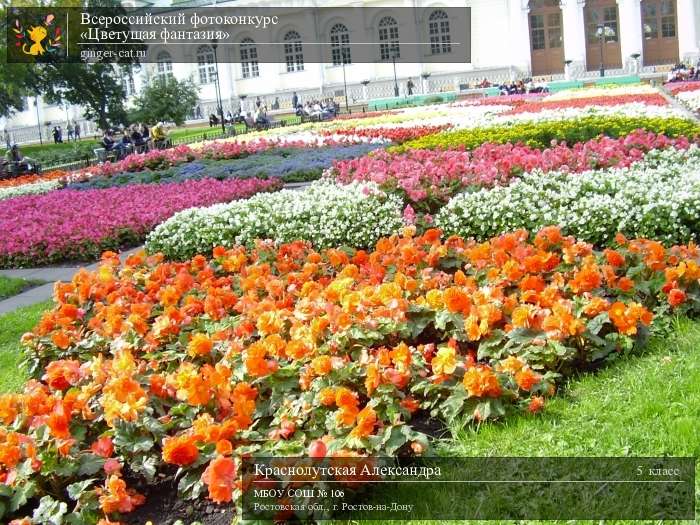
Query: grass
{"x": 12, "y": 326}
{"x": 10, "y": 286}
{"x": 648, "y": 405}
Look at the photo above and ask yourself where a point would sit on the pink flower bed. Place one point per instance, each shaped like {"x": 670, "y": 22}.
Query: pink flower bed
{"x": 679, "y": 87}
{"x": 649, "y": 99}
{"x": 501, "y": 100}
{"x": 72, "y": 225}
{"x": 395, "y": 134}
{"x": 427, "y": 178}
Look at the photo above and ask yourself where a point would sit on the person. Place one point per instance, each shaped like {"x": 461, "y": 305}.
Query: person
{"x": 17, "y": 162}
{"x": 70, "y": 131}
{"x": 213, "y": 120}
{"x": 6, "y": 138}
{"x": 276, "y": 103}
{"x": 76, "y": 132}
{"x": 60, "y": 135}
{"x": 261, "y": 118}
{"x": 409, "y": 86}
{"x": 229, "y": 117}
{"x": 249, "y": 122}
{"x": 109, "y": 144}
{"x": 137, "y": 139}
{"x": 160, "y": 136}
{"x": 54, "y": 133}
{"x": 295, "y": 100}
{"x": 258, "y": 102}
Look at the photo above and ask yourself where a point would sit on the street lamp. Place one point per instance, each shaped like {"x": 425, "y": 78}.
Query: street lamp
{"x": 38, "y": 121}
{"x": 214, "y": 45}
{"x": 394, "y": 54}
{"x": 603, "y": 32}
{"x": 345, "y": 84}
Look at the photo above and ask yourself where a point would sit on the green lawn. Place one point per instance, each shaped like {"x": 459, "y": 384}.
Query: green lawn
{"x": 10, "y": 286}
{"x": 12, "y": 326}
{"x": 647, "y": 405}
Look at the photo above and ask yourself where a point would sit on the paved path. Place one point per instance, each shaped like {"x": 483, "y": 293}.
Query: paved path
{"x": 45, "y": 291}
{"x": 63, "y": 273}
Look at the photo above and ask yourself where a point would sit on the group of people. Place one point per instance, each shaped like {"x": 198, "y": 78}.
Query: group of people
{"x": 316, "y": 109}
{"x": 516, "y": 87}
{"x": 72, "y": 130}
{"x": 683, "y": 73}
{"x": 135, "y": 138}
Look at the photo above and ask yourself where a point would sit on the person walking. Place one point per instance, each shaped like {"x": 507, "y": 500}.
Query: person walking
{"x": 295, "y": 101}
{"x": 76, "y": 132}
{"x": 409, "y": 86}
{"x": 6, "y": 138}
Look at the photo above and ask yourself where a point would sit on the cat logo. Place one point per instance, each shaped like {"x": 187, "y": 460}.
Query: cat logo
{"x": 39, "y": 39}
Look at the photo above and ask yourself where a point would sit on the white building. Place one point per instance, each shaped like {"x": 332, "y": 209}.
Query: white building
{"x": 508, "y": 39}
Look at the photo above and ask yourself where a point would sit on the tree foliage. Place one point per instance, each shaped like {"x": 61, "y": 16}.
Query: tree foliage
{"x": 166, "y": 99}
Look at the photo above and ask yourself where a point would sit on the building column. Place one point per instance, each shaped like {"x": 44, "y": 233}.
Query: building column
{"x": 630, "y": 27}
{"x": 519, "y": 31}
{"x": 687, "y": 31}
{"x": 574, "y": 34}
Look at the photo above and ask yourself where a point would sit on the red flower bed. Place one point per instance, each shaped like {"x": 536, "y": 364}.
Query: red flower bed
{"x": 650, "y": 99}
{"x": 393, "y": 134}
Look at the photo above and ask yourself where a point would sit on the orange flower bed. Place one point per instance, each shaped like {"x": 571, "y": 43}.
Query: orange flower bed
{"x": 29, "y": 179}
{"x": 192, "y": 364}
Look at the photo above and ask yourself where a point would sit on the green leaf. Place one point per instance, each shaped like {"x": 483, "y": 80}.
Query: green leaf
{"x": 90, "y": 464}
{"x": 22, "y": 495}
{"x": 75, "y": 490}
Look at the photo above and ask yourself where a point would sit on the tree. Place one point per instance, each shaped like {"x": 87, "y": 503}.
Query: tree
{"x": 167, "y": 99}
{"x": 97, "y": 87}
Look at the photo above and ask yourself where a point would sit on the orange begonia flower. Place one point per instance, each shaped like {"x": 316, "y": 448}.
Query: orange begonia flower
{"x": 480, "y": 381}
{"x": 220, "y": 478}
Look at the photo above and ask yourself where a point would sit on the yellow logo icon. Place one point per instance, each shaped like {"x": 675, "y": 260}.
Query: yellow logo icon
{"x": 38, "y": 39}
{"x": 36, "y": 35}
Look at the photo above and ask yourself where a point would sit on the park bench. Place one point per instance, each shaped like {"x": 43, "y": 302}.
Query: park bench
{"x": 102, "y": 155}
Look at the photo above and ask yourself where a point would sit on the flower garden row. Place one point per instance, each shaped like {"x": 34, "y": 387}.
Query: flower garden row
{"x": 236, "y": 336}
{"x": 193, "y": 364}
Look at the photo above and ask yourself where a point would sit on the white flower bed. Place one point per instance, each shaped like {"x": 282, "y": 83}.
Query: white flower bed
{"x": 658, "y": 198}
{"x": 28, "y": 189}
{"x": 690, "y": 98}
{"x": 326, "y": 214}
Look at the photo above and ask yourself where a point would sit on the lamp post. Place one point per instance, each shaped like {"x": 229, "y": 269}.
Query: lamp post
{"x": 38, "y": 121}
{"x": 425, "y": 77}
{"x": 601, "y": 37}
{"x": 345, "y": 84}
{"x": 214, "y": 45}
{"x": 365, "y": 95}
{"x": 394, "y": 53}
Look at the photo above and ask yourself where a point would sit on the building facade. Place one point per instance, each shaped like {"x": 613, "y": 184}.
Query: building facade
{"x": 508, "y": 39}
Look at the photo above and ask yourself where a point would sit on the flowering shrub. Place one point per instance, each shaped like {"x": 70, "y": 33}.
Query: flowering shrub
{"x": 285, "y": 163}
{"x": 603, "y": 91}
{"x": 428, "y": 178}
{"x": 156, "y": 365}
{"x": 679, "y": 87}
{"x": 657, "y": 199}
{"x": 78, "y": 225}
{"x": 541, "y": 134}
{"x": 324, "y": 213}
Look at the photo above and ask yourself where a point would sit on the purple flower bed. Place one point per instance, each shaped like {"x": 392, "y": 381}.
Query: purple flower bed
{"x": 75, "y": 225}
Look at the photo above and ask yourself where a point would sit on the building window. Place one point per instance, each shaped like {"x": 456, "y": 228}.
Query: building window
{"x": 389, "y": 38}
{"x": 607, "y": 17}
{"x": 249, "y": 58}
{"x": 340, "y": 45}
{"x": 293, "y": 53}
{"x": 205, "y": 64}
{"x": 668, "y": 19}
{"x": 651, "y": 29}
{"x": 439, "y": 32}
{"x": 537, "y": 31}
{"x": 164, "y": 65}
